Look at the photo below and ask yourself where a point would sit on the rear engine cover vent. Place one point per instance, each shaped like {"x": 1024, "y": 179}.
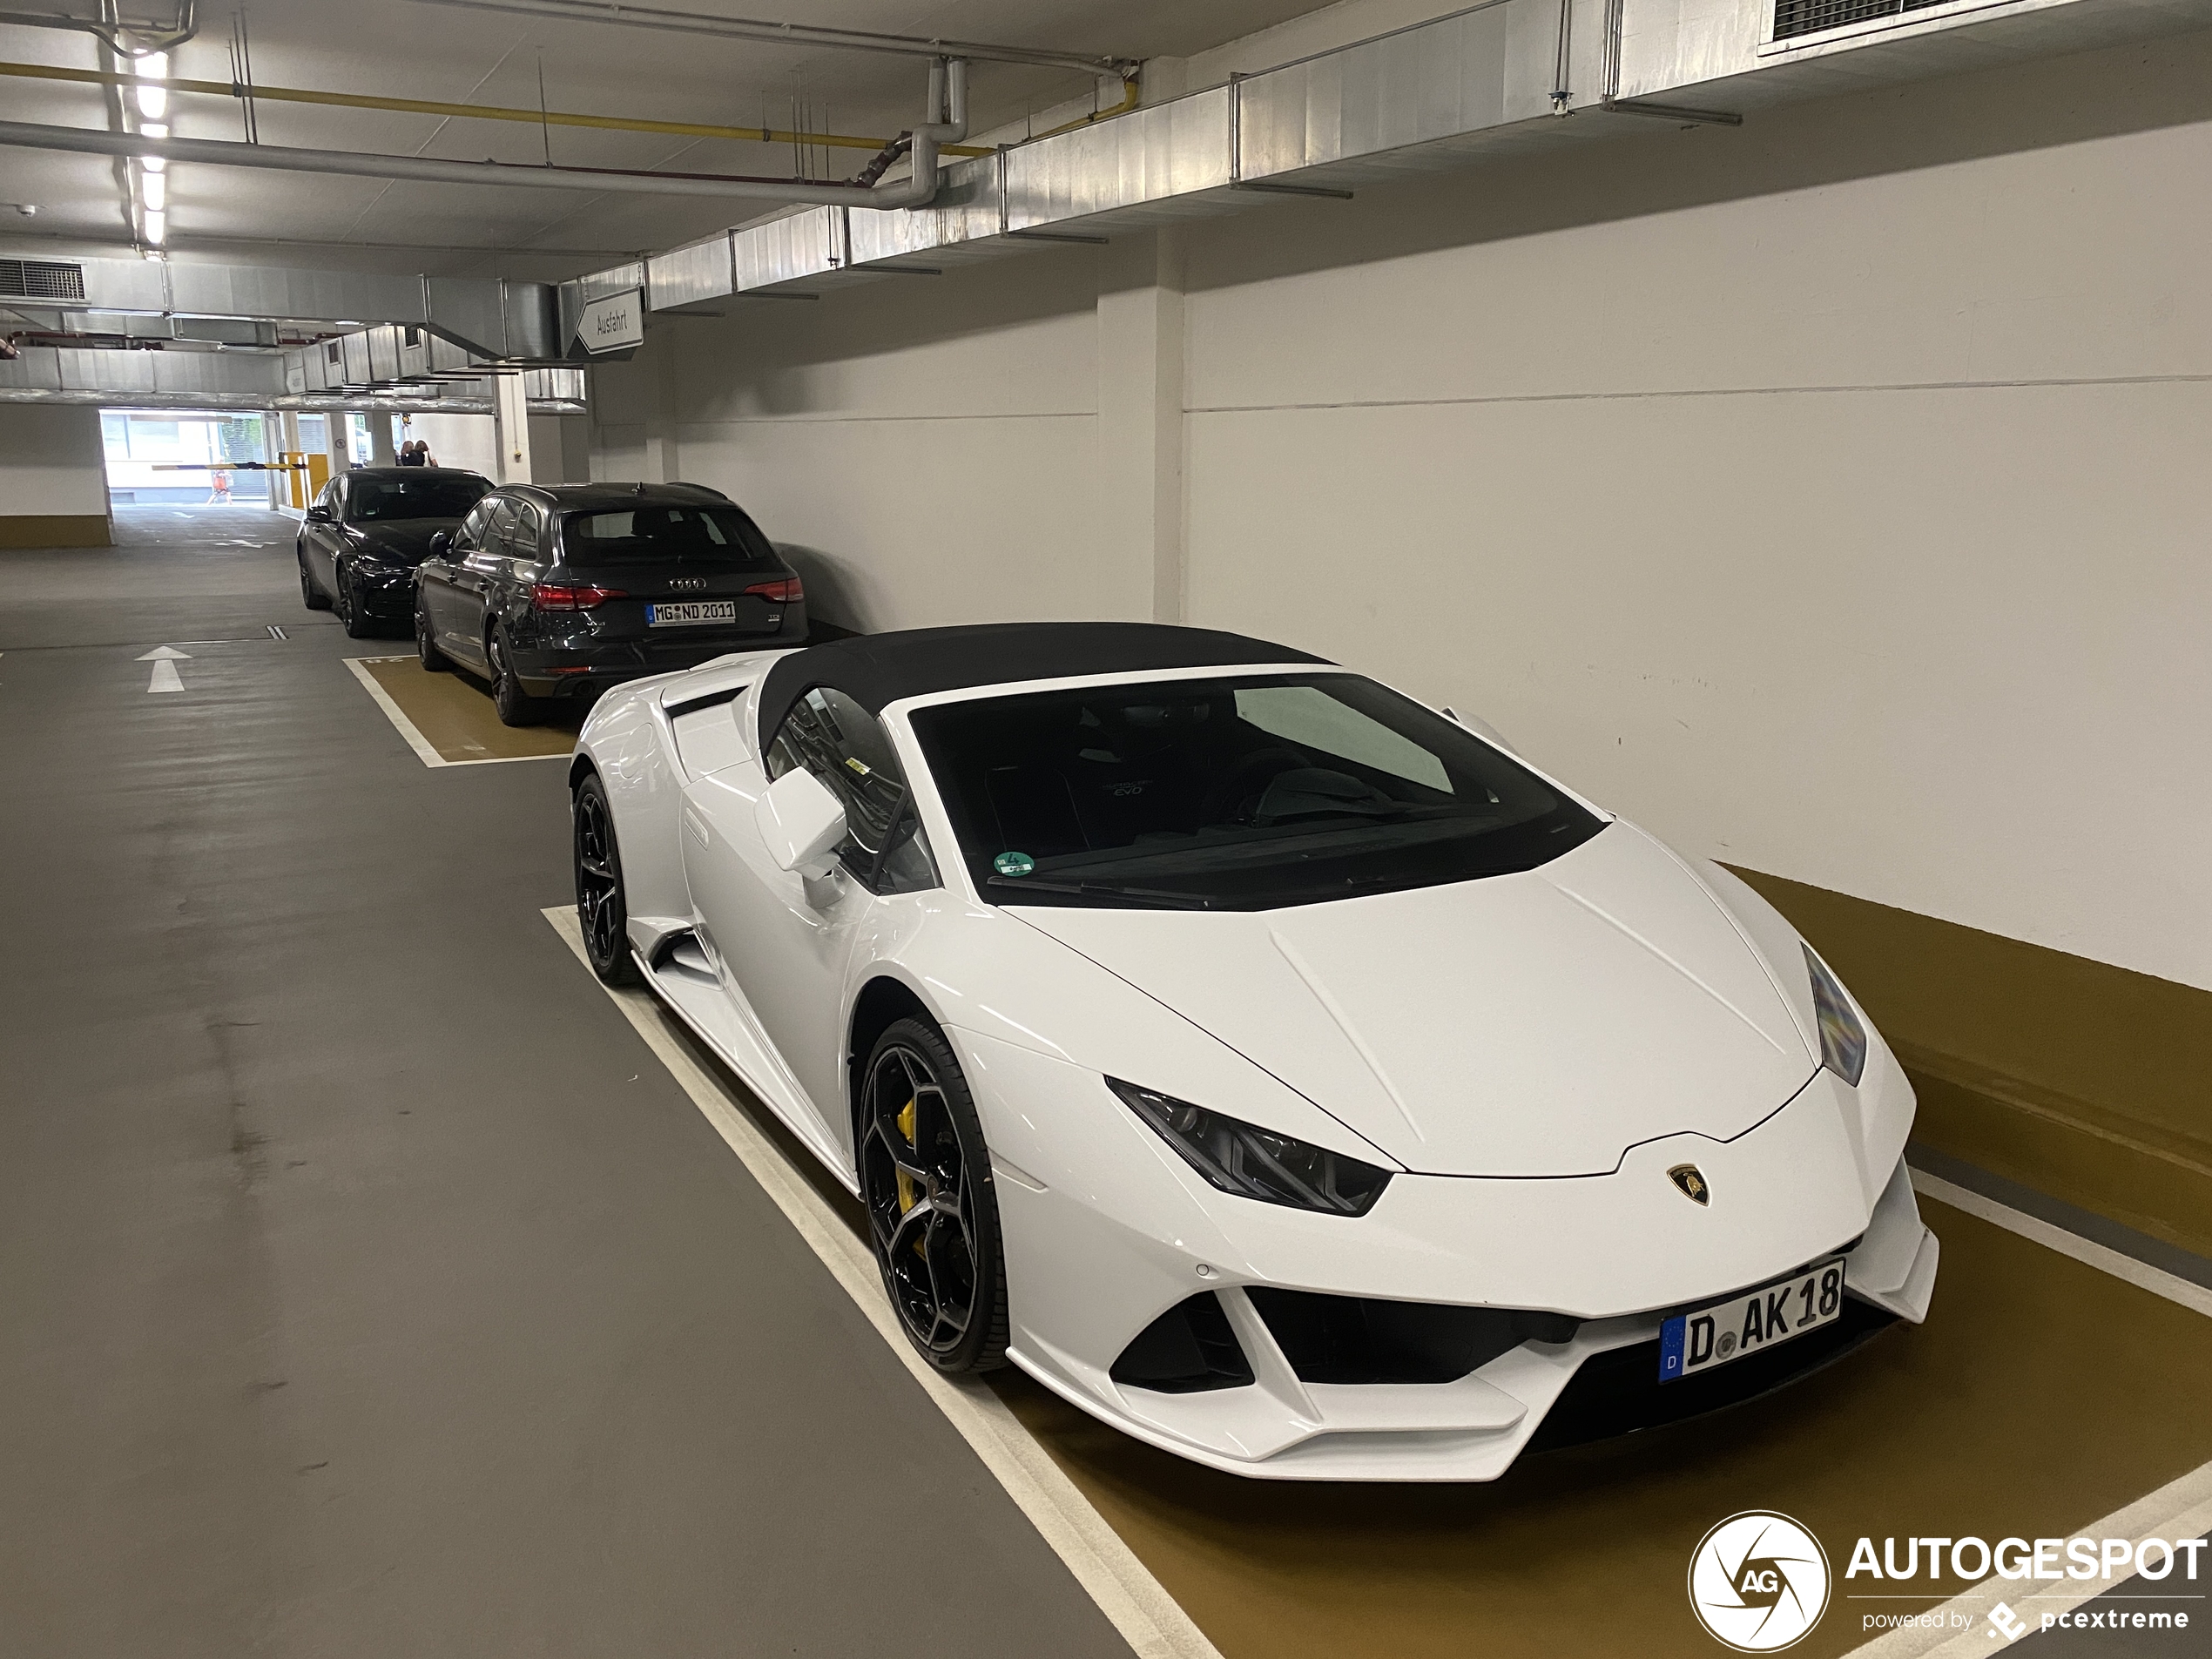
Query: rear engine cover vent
{"x": 1793, "y": 17}
{"x": 41, "y": 279}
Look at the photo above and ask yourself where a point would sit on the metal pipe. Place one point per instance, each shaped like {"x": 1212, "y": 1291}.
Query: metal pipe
{"x": 799, "y": 34}
{"x": 152, "y": 36}
{"x": 454, "y": 111}
{"x": 948, "y": 99}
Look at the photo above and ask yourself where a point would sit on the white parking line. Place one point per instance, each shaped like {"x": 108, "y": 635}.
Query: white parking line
{"x": 2179, "y": 1509}
{"x": 2089, "y": 1253}
{"x": 1149, "y": 1619}
{"x": 407, "y": 729}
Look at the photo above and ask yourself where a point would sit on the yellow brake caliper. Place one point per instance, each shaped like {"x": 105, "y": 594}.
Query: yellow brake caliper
{"x": 905, "y": 1120}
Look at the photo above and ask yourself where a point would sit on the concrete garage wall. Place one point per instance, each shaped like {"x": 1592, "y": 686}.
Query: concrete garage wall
{"x": 926, "y": 449}
{"x": 460, "y": 441}
{"x": 53, "y": 478}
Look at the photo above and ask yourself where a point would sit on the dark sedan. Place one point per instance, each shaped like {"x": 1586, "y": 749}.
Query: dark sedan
{"x": 366, "y": 533}
{"x": 560, "y": 591}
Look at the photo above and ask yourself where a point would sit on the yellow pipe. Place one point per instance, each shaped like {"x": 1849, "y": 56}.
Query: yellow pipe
{"x": 1130, "y": 89}
{"x": 462, "y": 112}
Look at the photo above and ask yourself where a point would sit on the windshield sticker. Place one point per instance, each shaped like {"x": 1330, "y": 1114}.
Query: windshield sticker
{"x": 1014, "y": 864}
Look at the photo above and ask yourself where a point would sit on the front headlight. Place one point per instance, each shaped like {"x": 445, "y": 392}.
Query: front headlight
{"x": 1255, "y": 1163}
{"x": 1842, "y": 1039}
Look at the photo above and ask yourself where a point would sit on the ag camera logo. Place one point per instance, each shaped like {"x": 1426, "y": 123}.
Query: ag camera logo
{"x": 1758, "y": 1582}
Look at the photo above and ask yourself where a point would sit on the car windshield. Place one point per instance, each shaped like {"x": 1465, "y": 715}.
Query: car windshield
{"x": 373, "y": 501}
{"x": 722, "y": 537}
{"x": 1248, "y": 793}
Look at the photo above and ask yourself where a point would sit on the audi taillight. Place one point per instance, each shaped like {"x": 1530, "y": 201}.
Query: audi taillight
{"x": 554, "y": 596}
{"x": 787, "y": 591}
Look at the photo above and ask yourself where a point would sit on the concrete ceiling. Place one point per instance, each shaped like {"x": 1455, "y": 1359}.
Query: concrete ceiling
{"x": 418, "y": 49}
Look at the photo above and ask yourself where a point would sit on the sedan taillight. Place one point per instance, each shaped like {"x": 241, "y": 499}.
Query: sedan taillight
{"x": 787, "y": 591}
{"x": 552, "y": 595}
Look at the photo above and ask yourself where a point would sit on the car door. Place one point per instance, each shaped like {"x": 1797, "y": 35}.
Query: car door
{"x": 470, "y": 582}
{"x": 781, "y": 939}
{"x": 434, "y": 578}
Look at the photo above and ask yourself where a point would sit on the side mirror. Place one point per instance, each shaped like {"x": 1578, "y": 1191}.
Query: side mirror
{"x": 318, "y": 516}
{"x": 1482, "y": 728}
{"x": 441, "y": 542}
{"x": 801, "y": 822}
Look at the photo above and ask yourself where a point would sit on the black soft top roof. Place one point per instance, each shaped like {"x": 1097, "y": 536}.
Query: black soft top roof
{"x": 875, "y": 669}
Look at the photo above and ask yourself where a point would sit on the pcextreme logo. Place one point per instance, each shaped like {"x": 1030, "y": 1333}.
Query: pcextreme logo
{"x": 1758, "y": 1582}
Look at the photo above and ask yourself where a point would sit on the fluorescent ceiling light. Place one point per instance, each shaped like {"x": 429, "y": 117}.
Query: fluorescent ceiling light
{"x": 155, "y": 189}
{"x": 153, "y": 101}
{"x": 157, "y": 227}
{"x": 154, "y": 130}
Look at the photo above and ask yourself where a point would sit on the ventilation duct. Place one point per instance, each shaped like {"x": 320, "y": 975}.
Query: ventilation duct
{"x": 493, "y": 319}
{"x": 1501, "y": 79}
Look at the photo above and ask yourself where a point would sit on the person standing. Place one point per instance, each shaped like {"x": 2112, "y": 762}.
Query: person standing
{"x": 411, "y": 454}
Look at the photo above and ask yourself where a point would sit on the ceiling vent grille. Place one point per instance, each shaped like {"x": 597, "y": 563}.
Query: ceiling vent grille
{"x": 41, "y": 279}
{"x": 1793, "y": 17}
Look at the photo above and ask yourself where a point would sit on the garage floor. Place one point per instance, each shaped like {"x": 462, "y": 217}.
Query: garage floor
{"x": 367, "y": 1286}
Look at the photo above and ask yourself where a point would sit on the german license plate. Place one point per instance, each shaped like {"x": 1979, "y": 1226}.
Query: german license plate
{"x": 691, "y": 611}
{"x": 1708, "y": 1336}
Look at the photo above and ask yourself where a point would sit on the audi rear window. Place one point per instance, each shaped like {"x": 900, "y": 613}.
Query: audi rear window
{"x": 721, "y": 536}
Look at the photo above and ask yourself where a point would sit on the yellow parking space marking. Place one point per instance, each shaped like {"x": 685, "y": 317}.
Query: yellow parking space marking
{"x": 1147, "y": 1617}
{"x": 449, "y": 720}
{"x": 2054, "y": 1385}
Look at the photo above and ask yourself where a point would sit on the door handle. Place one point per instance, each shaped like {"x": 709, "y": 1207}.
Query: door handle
{"x": 696, "y": 825}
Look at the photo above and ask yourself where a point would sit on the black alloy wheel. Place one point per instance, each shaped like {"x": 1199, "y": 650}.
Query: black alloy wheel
{"x": 515, "y": 705}
{"x": 933, "y": 1212}
{"x": 358, "y": 626}
{"x": 602, "y": 909}
{"x": 426, "y": 643}
{"x": 309, "y": 594}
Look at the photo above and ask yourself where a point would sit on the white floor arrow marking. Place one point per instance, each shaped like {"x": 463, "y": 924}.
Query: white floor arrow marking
{"x": 165, "y": 660}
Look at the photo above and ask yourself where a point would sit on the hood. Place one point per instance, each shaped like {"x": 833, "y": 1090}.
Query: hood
{"x": 1535, "y": 1024}
{"x": 399, "y": 541}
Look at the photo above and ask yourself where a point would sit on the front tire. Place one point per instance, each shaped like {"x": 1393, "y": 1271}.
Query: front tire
{"x": 515, "y": 705}
{"x": 350, "y": 608}
{"x": 933, "y": 1210}
{"x": 602, "y": 902}
{"x": 309, "y": 595}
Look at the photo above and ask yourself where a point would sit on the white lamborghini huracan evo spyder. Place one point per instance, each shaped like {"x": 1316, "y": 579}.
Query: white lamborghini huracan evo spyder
{"x": 1278, "y": 1069}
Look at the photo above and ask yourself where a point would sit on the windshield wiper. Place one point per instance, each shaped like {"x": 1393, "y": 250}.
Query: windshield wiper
{"x": 1161, "y": 896}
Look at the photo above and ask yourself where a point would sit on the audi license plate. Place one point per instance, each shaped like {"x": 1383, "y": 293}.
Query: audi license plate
{"x": 1705, "y": 1337}
{"x": 688, "y": 611}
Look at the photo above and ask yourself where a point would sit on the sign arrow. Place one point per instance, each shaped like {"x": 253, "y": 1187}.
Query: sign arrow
{"x": 165, "y": 660}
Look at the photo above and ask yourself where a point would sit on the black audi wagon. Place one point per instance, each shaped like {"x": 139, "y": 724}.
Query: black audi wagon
{"x": 558, "y": 591}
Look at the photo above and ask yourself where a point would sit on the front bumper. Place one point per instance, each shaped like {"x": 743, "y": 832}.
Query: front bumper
{"x": 1106, "y": 1230}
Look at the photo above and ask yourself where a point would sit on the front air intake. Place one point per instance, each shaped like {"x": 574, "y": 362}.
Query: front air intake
{"x": 1188, "y": 1350}
{"x": 1361, "y": 1339}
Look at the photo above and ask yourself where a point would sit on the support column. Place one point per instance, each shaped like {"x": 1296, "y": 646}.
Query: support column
{"x": 379, "y": 439}
{"x": 511, "y": 423}
{"x": 338, "y": 439}
{"x": 1140, "y": 415}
